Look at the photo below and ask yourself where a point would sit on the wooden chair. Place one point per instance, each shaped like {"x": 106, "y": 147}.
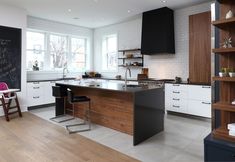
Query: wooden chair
{"x": 6, "y": 101}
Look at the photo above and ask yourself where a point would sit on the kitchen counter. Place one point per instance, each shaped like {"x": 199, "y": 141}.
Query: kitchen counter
{"x": 137, "y": 111}
{"x": 101, "y": 78}
{"x": 111, "y": 86}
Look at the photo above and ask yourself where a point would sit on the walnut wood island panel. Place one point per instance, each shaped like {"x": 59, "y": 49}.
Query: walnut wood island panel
{"x": 137, "y": 111}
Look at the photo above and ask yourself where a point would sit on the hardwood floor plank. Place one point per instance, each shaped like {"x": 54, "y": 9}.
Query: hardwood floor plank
{"x": 32, "y": 139}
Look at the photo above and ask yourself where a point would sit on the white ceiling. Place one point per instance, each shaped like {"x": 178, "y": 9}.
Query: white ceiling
{"x": 93, "y": 13}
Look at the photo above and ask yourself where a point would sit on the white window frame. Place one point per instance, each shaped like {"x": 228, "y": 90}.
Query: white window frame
{"x": 104, "y": 38}
{"x": 47, "y": 68}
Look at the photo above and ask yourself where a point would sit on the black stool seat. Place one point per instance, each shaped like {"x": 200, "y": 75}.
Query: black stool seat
{"x": 73, "y": 99}
{"x": 59, "y": 92}
{"x": 80, "y": 99}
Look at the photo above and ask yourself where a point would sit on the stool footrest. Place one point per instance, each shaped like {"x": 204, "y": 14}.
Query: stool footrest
{"x": 61, "y": 116}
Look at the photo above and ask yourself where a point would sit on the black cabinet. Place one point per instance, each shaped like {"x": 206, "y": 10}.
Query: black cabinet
{"x": 158, "y": 32}
{"x": 218, "y": 150}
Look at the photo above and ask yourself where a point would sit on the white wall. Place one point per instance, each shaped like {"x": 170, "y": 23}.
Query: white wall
{"x": 15, "y": 17}
{"x": 56, "y": 27}
{"x": 160, "y": 66}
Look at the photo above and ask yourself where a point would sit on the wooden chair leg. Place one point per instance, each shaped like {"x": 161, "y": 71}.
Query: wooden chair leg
{"x": 4, "y": 108}
{"x": 18, "y": 106}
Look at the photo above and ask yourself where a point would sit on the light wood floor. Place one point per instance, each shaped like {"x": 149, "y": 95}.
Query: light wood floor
{"x": 32, "y": 139}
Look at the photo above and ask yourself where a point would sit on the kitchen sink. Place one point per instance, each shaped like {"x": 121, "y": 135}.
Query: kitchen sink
{"x": 132, "y": 86}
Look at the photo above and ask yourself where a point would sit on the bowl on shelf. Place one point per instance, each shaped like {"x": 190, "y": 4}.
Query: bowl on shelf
{"x": 231, "y": 74}
{"x": 129, "y": 55}
{"x": 222, "y": 74}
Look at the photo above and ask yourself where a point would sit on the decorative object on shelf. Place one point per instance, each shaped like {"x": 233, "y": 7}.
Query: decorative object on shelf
{"x": 223, "y": 72}
{"x": 118, "y": 77}
{"x": 145, "y": 71}
{"x": 229, "y": 14}
{"x": 227, "y": 43}
{"x": 231, "y": 72}
{"x": 233, "y": 102}
{"x": 35, "y": 66}
{"x": 231, "y": 128}
{"x": 129, "y": 55}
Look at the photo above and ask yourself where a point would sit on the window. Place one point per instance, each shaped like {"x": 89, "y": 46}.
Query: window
{"x": 78, "y": 53}
{"x": 35, "y": 49}
{"x": 109, "y": 53}
{"x": 53, "y": 51}
{"x": 58, "y": 51}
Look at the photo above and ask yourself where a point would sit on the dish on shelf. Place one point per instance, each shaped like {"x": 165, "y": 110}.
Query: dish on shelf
{"x": 231, "y": 74}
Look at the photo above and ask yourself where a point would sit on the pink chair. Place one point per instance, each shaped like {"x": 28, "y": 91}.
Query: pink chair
{"x": 6, "y": 100}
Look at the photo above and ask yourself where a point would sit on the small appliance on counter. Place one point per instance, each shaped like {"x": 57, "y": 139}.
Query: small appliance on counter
{"x": 178, "y": 80}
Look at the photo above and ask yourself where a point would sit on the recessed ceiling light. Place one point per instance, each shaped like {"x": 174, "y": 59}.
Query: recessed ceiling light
{"x": 128, "y": 11}
{"x": 163, "y": 1}
{"x": 69, "y": 10}
{"x": 76, "y": 18}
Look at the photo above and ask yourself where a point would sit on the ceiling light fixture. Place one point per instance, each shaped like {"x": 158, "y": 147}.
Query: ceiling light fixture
{"x": 163, "y": 1}
{"x": 128, "y": 11}
{"x": 69, "y": 10}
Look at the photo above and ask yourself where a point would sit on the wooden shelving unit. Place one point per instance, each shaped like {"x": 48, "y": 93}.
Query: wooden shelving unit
{"x": 226, "y": 85}
{"x": 224, "y": 79}
{"x": 224, "y": 23}
{"x": 137, "y": 60}
{"x": 224, "y": 50}
{"x": 223, "y": 106}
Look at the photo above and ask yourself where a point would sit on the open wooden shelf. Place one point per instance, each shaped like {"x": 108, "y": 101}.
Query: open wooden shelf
{"x": 222, "y": 133}
{"x": 130, "y": 50}
{"x": 224, "y": 22}
{"x": 223, "y": 106}
{"x": 224, "y": 50}
{"x": 224, "y": 79}
{"x": 131, "y": 58}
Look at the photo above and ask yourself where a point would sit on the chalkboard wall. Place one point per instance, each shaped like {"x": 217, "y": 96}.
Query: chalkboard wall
{"x": 10, "y": 56}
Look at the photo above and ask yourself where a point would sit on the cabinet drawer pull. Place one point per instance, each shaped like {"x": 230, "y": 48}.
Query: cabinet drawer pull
{"x": 176, "y": 85}
{"x": 35, "y": 82}
{"x": 36, "y": 87}
{"x": 176, "y": 106}
{"x": 36, "y": 97}
{"x": 175, "y": 99}
{"x": 207, "y": 103}
{"x": 176, "y": 92}
{"x": 206, "y": 87}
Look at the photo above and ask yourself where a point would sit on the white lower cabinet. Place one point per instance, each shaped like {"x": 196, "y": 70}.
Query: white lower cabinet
{"x": 39, "y": 93}
{"x": 188, "y": 99}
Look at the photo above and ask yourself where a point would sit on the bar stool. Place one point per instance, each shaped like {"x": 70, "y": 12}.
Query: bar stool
{"x": 76, "y": 99}
{"x": 57, "y": 92}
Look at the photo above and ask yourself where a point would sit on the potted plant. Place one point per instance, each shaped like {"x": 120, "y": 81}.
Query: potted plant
{"x": 223, "y": 72}
{"x": 231, "y": 72}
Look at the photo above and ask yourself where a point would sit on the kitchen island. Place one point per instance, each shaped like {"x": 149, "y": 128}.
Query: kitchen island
{"x": 135, "y": 110}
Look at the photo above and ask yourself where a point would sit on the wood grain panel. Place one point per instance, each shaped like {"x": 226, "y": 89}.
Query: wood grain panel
{"x": 227, "y": 89}
{"x": 200, "y": 48}
{"x": 111, "y": 109}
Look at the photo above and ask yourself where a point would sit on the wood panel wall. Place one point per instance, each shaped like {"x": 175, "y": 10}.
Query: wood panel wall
{"x": 200, "y": 48}
{"x": 112, "y": 109}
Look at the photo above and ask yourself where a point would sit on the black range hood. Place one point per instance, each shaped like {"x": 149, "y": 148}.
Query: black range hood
{"x": 158, "y": 32}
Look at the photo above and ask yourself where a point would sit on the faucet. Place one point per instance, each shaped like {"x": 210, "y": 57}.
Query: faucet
{"x": 65, "y": 72}
{"x": 127, "y": 69}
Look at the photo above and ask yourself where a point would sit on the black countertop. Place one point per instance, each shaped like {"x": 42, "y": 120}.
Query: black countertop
{"x": 104, "y": 78}
{"x": 108, "y": 86}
